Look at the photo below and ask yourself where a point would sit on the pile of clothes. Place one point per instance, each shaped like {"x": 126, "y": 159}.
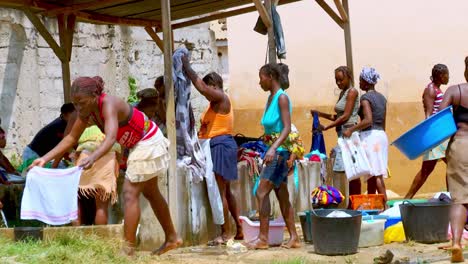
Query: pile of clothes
{"x": 253, "y": 153}
{"x": 324, "y": 196}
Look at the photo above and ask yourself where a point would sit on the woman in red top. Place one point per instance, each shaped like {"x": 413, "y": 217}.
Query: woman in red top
{"x": 147, "y": 160}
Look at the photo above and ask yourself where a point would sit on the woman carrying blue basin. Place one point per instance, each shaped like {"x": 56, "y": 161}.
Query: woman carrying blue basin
{"x": 432, "y": 98}
{"x": 457, "y": 162}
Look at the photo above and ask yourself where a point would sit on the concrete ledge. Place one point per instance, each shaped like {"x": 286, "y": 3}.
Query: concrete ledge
{"x": 104, "y": 231}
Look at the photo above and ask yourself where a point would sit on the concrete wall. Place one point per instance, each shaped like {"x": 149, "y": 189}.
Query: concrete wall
{"x": 31, "y": 90}
{"x": 401, "y": 39}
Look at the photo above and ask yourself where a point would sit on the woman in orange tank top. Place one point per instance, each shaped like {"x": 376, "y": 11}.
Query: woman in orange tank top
{"x": 217, "y": 125}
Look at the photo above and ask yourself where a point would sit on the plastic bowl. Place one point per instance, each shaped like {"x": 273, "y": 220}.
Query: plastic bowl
{"x": 252, "y": 229}
{"x": 427, "y": 134}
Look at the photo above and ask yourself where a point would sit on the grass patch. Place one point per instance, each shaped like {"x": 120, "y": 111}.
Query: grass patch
{"x": 67, "y": 248}
{"x": 411, "y": 243}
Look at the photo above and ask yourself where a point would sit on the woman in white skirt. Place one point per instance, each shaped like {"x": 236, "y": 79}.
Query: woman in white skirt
{"x": 372, "y": 126}
{"x": 148, "y": 158}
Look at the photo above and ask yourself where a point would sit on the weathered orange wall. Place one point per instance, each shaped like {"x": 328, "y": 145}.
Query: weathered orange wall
{"x": 402, "y": 39}
{"x": 403, "y": 116}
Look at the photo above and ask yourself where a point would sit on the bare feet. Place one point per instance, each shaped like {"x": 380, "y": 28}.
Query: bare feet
{"x": 257, "y": 244}
{"x": 167, "y": 246}
{"x": 292, "y": 243}
{"x": 445, "y": 247}
{"x": 239, "y": 234}
{"x": 448, "y": 246}
{"x": 457, "y": 254}
{"x": 221, "y": 240}
{"x": 127, "y": 251}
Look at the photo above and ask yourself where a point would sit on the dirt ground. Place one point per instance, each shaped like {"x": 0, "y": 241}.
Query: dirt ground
{"x": 403, "y": 252}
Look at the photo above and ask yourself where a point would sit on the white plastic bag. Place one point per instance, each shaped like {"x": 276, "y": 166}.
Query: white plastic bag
{"x": 354, "y": 157}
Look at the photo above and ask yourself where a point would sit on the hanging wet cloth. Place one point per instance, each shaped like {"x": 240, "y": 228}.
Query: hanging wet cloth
{"x": 278, "y": 30}
{"x": 189, "y": 151}
{"x": 318, "y": 142}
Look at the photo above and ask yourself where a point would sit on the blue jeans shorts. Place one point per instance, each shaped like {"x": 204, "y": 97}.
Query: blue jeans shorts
{"x": 277, "y": 170}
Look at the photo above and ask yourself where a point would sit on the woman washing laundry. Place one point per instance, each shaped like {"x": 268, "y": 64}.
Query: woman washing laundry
{"x": 217, "y": 124}
{"x": 6, "y": 168}
{"x": 153, "y": 103}
{"x": 276, "y": 121}
{"x": 457, "y": 163}
{"x": 346, "y": 116}
{"x": 100, "y": 181}
{"x": 432, "y": 98}
{"x": 373, "y": 112}
{"x": 148, "y": 159}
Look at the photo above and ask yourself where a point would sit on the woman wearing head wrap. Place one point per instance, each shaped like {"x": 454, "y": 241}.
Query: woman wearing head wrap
{"x": 373, "y": 111}
{"x": 148, "y": 158}
{"x": 432, "y": 98}
{"x": 346, "y": 116}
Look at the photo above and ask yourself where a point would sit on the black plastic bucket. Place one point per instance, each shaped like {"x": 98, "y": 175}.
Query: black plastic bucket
{"x": 28, "y": 233}
{"x": 425, "y": 222}
{"x": 306, "y": 224}
{"x": 336, "y": 236}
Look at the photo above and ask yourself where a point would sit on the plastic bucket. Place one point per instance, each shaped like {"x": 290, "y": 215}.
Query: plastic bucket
{"x": 306, "y": 224}
{"x": 392, "y": 202}
{"x": 28, "y": 233}
{"x": 425, "y": 222}
{"x": 427, "y": 134}
{"x": 372, "y": 233}
{"x": 336, "y": 236}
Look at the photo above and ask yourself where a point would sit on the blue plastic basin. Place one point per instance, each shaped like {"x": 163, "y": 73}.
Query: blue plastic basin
{"x": 427, "y": 134}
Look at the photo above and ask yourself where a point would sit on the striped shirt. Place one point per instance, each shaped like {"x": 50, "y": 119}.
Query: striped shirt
{"x": 438, "y": 99}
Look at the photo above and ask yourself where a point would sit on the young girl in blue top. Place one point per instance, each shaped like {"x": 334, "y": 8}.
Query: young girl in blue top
{"x": 277, "y": 124}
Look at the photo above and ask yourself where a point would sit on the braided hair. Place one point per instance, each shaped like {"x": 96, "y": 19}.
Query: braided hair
{"x": 271, "y": 69}
{"x": 345, "y": 70}
{"x": 438, "y": 70}
{"x": 213, "y": 79}
{"x": 88, "y": 85}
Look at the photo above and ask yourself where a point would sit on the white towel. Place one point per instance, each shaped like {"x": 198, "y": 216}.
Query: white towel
{"x": 216, "y": 203}
{"x": 51, "y": 195}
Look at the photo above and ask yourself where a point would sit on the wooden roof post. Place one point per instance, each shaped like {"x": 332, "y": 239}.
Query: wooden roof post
{"x": 170, "y": 108}
{"x": 66, "y": 29}
{"x": 341, "y": 10}
{"x": 348, "y": 43}
{"x": 330, "y": 12}
{"x": 264, "y": 15}
{"x": 271, "y": 36}
{"x": 152, "y": 33}
{"x": 45, "y": 33}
